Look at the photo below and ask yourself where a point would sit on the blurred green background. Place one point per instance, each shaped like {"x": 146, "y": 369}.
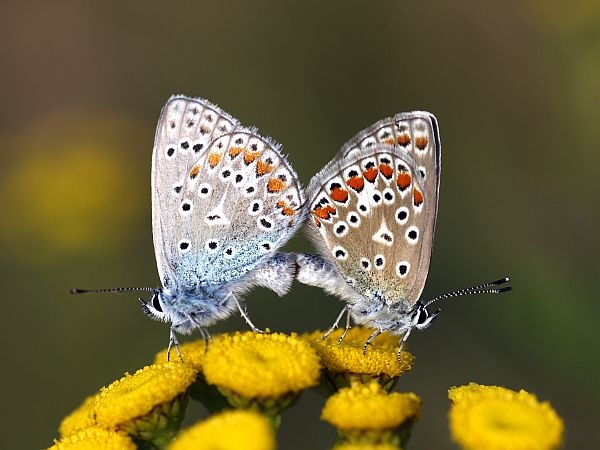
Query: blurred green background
{"x": 515, "y": 86}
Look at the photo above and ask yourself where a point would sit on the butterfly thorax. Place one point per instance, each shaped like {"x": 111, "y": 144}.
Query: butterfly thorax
{"x": 192, "y": 308}
{"x": 395, "y": 317}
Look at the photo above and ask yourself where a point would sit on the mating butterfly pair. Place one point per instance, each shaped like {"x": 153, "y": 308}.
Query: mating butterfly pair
{"x": 225, "y": 199}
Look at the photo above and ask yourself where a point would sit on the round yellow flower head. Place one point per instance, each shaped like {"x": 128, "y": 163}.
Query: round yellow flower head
{"x": 136, "y": 395}
{"x": 348, "y": 361}
{"x": 231, "y": 430}
{"x": 77, "y": 420}
{"x": 192, "y": 353}
{"x": 148, "y": 405}
{"x": 94, "y": 439}
{"x": 497, "y": 418}
{"x": 254, "y": 365}
{"x": 370, "y": 407}
{"x": 365, "y": 446}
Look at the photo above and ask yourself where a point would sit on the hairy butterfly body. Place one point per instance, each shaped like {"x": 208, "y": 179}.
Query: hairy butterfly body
{"x": 224, "y": 199}
{"x": 372, "y": 216}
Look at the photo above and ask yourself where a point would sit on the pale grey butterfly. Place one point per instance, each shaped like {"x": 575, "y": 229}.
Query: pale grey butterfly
{"x": 224, "y": 200}
{"x": 372, "y": 216}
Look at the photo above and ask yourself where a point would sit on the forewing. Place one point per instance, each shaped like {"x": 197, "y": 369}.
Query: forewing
{"x": 230, "y": 206}
{"x": 374, "y": 206}
{"x": 185, "y": 129}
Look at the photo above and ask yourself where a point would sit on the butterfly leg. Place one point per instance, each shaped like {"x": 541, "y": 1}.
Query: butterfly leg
{"x": 244, "y": 314}
{"x": 370, "y": 339}
{"x": 337, "y": 321}
{"x": 403, "y": 339}
{"x": 346, "y": 328}
{"x": 207, "y": 338}
{"x": 173, "y": 341}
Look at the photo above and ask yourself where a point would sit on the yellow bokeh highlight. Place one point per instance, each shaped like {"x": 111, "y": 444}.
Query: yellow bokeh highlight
{"x": 74, "y": 182}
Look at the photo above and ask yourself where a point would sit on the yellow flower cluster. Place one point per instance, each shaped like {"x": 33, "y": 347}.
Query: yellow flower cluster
{"x": 365, "y": 415}
{"x": 147, "y": 405}
{"x": 259, "y": 375}
{"x": 192, "y": 353}
{"x": 369, "y": 407}
{"x": 231, "y": 430}
{"x": 365, "y": 446}
{"x": 346, "y": 361}
{"x": 497, "y": 418}
{"x": 261, "y": 365}
{"x": 95, "y": 438}
{"x": 136, "y": 395}
{"x": 78, "y": 420}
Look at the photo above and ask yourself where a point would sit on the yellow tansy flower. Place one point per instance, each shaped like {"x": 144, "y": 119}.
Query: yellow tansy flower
{"x": 231, "y": 430}
{"x": 266, "y": 372}
{"x": 94, "y": 439}
{"x": 192, "y": 353}
{"x": 368, "y": 414}
{"x": 149, "y": 404}
{"x": 257, "y": 365}
{"x": 346, "y": 361}
{"x": 369, "y": 407}
{"x": 77, "y": 420}
{"x": 365, "y": 446}
{"x": 496, "y": 418}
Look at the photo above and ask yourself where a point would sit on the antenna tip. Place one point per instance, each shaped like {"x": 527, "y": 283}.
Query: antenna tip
{"x": 75, "y": 291}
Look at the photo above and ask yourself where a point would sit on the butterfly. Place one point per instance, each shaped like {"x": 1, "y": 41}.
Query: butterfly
{"x": 224, "y": 200}
{"x": 373, "y": 211}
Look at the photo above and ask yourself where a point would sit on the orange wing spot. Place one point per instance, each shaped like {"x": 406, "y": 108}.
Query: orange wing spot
{"x": 339, "y": 195}
{"x": 234, "y": 151}
{"x": 324, "y": 212}
{"x": 421, "y": 142}
{"x": 370, "y": 174}
{"x": 214, "y": 159}
{"x": 321, "y": 213}
{"x": 403, "y": 181}
{"x": 357, "y": 183}
{"x": 417, "y": 197}
{"x": 386, "y": 170}
{"x": 389, "y": 141}
{"x": 250, "y": 156}
{"x": 275, "y": 185}
{"x": 286, "y": 210}
{"x": 195, "y": 171}
{"x": 403, "y": 140}
{"x": 263, "y": 167}
{"x": 317, "y": 222}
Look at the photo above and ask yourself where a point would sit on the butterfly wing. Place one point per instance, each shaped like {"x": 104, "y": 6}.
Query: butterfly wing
{"x": 223, "y": 201}
{"x": 185, "y": 129}
{"x": 374, "y": 207}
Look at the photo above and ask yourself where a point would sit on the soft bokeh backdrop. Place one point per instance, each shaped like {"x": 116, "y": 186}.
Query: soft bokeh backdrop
{"x": 515, "y": 86}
